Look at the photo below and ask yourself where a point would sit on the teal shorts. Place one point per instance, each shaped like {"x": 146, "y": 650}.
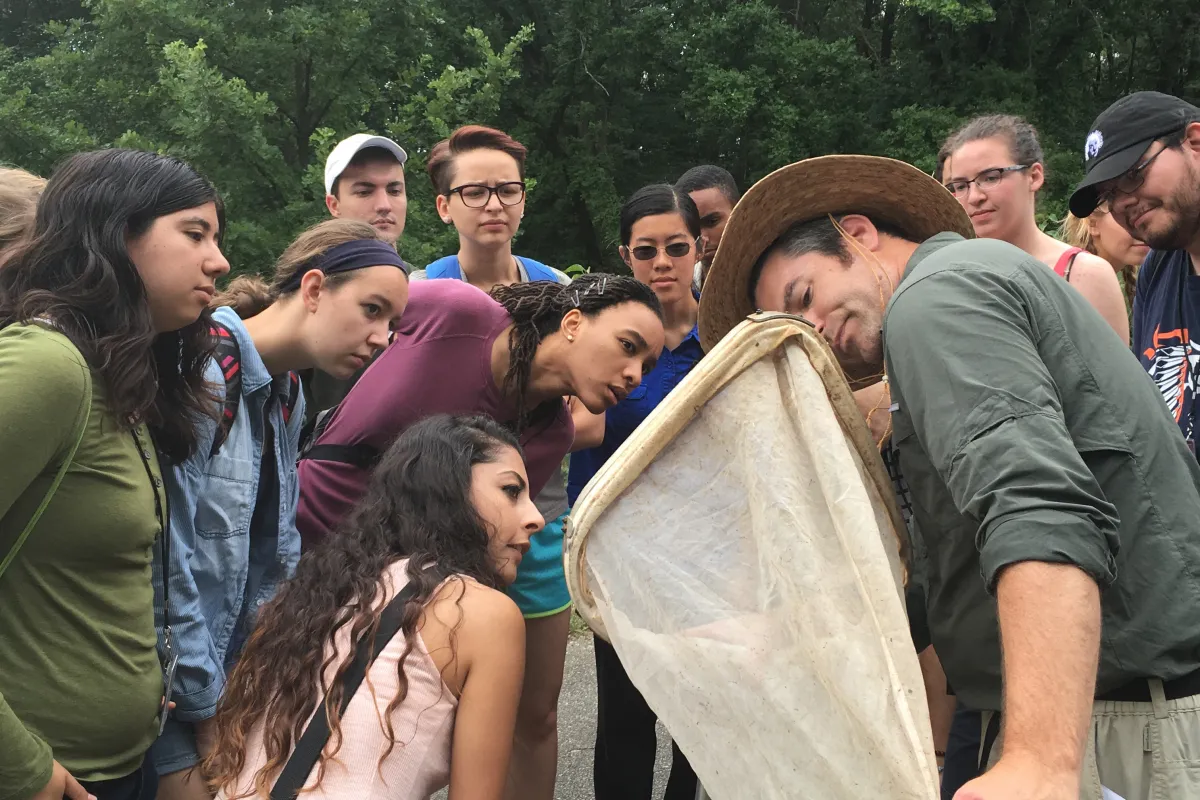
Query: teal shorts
{"x": 540, "y": 589}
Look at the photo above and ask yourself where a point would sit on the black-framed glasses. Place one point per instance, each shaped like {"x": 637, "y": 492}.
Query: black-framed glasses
{"x": 988, "y": 179}
{"x": 1128, "y": 181}
{"x": 645, "y": 252}
{"x": 478, "y": 195}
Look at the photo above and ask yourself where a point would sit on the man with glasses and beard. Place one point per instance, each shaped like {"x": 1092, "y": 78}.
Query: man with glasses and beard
{"x": 1143, "y": 162}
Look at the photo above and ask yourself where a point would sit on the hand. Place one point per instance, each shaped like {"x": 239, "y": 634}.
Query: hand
{"x": 1022, "y": 778}
{"x": 62, "y": 785}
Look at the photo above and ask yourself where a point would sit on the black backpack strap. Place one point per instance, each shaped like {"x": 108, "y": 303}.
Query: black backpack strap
{"x": 229, "y": 358}
{"x": 313, "y": 429}
{"x": 363, "y": 456}
{"x": 308, "y": 748}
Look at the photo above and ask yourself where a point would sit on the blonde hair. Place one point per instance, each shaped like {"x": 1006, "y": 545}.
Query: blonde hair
{"x": 1077, "y": 232}
{"x": 19, "y": 193}
{"x": 249, "y": 295}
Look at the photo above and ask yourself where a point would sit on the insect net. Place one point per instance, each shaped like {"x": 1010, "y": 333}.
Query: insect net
{"x": 743, "y": 553}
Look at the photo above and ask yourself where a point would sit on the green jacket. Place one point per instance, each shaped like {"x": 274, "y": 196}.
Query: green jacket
{"x": 1028, "y": 431}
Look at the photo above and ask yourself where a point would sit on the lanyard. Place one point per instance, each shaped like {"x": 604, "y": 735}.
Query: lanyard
{"x": 170, "y": 659}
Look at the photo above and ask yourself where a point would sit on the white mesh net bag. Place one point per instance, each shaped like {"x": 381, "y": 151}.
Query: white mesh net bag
{"x": 742, "y": 552}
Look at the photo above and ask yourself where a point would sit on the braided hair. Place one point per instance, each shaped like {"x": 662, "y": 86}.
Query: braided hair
{"x": 537, "y": 309}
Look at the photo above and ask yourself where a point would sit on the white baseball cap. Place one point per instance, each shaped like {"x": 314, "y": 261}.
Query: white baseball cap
{"x": 346, "y": 149}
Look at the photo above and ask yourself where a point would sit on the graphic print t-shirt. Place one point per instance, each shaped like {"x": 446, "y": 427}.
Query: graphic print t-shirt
{"x": 1166, "y": 331}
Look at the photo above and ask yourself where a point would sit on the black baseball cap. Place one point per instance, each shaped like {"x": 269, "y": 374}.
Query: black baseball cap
{"x": 1121, "y": 135}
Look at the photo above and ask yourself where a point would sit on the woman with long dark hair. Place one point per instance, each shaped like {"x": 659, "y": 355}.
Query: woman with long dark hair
{"x": 335, "y": 294}
{"x": 660, "y": 242}
{"x": 104, "y": 335}
{"x": 447, "y": 517}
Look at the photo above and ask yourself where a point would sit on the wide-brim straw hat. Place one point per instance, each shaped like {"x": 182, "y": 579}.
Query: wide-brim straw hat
{"x": 884, "y": 189}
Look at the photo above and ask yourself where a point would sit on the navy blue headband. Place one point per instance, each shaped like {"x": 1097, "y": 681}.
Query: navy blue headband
{"x": 346, "y": 257}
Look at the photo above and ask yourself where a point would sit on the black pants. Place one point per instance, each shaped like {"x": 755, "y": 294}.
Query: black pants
{"x": 961, "y": 764}
{"x": 139, "y": 785}
{"x": 626, "y": 743}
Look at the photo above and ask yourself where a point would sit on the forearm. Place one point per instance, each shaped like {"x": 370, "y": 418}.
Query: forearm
{"x": 25, "y": 760}
{"x": 941, "y": 702}
{"x": 1050, "y": 636}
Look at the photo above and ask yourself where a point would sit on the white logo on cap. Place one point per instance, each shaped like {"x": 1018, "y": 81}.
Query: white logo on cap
{"x": 1095, "y": 141}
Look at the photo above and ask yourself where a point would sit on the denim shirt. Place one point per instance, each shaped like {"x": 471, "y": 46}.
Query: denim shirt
{"x": 621, "y": 420}
{"x": 221, "y": 570}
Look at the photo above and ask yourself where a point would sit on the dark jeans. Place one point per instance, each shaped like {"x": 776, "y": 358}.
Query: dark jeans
{"x": 626, "y": 743}
{"x": 139, "y": 785}
{"x": 962, "y": 751}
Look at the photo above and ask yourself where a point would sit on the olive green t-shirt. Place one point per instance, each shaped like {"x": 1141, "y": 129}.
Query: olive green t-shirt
{"x": 80, "y": 679}
{"x": 1027, "y": 431}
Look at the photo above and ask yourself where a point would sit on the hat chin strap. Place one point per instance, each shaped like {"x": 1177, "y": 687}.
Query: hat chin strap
{"x": 885, "y": 397}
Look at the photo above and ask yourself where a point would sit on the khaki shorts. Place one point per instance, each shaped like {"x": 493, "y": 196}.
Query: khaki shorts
{"x": 1140, "y": 751}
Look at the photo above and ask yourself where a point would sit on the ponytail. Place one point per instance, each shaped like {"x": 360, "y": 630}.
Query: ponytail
{"x": 248, "y": 295}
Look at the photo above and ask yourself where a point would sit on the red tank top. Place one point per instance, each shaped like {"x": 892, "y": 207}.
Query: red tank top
{"x": 1065, "y": 262}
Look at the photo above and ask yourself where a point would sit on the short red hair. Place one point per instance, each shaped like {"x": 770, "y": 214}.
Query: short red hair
{"x": 464, "y": 140}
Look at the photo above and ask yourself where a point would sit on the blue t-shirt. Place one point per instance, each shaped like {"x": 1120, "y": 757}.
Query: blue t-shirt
{"x": 1166, "y": 331}
{"x": 621, "y": 420}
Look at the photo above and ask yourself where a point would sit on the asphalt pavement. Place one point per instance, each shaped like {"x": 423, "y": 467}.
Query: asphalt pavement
{"x": 577, "y": 728}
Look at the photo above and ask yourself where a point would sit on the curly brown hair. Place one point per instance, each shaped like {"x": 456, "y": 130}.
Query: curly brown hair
{"x": 418, "y": 507}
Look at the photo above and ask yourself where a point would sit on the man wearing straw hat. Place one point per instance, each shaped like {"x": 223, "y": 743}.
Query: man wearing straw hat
{"x": 1058, "y": 502}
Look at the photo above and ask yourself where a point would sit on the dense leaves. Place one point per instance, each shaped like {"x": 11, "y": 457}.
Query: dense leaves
{"x": 607, "y": 94}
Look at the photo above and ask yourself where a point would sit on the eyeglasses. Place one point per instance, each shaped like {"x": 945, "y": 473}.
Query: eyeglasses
{"x": 478, "y": 195}
{"x": 645, "y": 252}
{"x": 1129, "y": 181}
{"x": 988, "y": 179}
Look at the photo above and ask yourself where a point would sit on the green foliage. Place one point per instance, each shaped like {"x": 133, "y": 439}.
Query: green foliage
{"x": 607, "y": 96}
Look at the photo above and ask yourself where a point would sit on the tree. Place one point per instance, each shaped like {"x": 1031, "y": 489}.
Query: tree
{"x": 608, "y": 95}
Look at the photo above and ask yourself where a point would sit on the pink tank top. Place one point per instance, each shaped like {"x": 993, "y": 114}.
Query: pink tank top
{"x": 423, "y": 724}
{"x": 1065, "y": 262}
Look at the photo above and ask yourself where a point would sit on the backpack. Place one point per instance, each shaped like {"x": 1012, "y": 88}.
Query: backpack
{"x": 229, "y": 359}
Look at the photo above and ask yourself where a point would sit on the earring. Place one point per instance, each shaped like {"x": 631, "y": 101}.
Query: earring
{"x": 570, "y": 338}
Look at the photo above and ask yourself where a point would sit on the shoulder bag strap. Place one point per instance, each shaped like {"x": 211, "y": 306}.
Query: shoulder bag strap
{"x": 308, "y": 748}
{"x": 80, "y": 430}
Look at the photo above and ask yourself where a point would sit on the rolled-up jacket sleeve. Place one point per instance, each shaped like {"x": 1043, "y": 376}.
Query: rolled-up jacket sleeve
{"x": 967, "y": 372}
